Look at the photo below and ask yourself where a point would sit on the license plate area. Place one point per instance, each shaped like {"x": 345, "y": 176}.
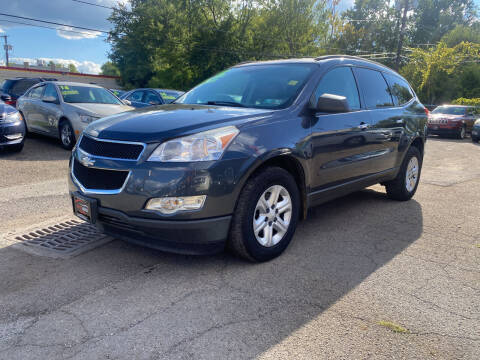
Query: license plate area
{"x": 85, "y": 208}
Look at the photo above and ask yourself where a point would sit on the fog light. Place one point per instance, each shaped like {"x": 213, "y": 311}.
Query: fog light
{"x": 170, "y": 205}
{"x": 13, "y": 136}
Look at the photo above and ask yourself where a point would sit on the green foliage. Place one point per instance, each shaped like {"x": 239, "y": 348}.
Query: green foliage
{"x": 462, "y": 33}
{"x": 442, "y": 73}
{"x": 470, "y": 102}
{"x": 178, "y": 43}
{"x": 109, "y": 69}
{"x": 72, "y": 68}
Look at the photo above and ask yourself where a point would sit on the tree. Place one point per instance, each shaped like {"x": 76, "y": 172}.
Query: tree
{"x": 442, "y": 73}
{"x": 462, "y": 33}
{"x": 178, "y": 43}
{"x": 109, "y": 69}
{"x": 72, "y": 68}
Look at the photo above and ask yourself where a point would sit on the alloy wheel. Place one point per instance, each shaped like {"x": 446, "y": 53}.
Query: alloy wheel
{"x": 272, "y": 216}
{"x": 411, "y": 177}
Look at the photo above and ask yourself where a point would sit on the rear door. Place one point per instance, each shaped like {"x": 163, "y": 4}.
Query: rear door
{"x": 387, "y": 120}
{"x": 340, "y": 141}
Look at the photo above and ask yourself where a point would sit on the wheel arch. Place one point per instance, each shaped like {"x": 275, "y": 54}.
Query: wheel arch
{"x": 288, "y": 162}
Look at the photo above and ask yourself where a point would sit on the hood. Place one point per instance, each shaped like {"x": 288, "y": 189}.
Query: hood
{"x": 155, "y": 124}
{"x": 101, "y": 110}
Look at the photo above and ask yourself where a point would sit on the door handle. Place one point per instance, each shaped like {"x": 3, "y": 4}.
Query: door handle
{"x": 363, "y": 126}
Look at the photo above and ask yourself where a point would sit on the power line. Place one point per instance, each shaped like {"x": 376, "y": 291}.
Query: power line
{"x": 49, "y": 27}
{"x": 55, "y": 23}
{"x": 93, "y": 4}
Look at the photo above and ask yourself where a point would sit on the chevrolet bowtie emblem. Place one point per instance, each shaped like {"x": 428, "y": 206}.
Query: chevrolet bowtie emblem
{"x": 86, "y": 160}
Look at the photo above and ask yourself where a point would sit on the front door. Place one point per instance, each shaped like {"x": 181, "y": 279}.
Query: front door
{"x": 50, "y": 111}
{"x": 341, "y": 142}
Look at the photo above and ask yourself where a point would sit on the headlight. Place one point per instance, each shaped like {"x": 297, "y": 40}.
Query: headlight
{"x": 204, "y": 146}
{"x": 11, "y": 117}
{"x": 87, "y": 119}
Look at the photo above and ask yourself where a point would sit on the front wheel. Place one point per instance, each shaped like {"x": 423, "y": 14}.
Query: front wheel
{"x": 404, "y": 186}
{"x": 266, "y": 215}
{"x": 67, "y": 137}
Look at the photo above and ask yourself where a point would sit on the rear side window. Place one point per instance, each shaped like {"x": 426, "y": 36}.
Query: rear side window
{"x": 374, "y": 88}
{"x": 399, "y": 89}
{"x": 19, "y": 88}
{"x": 339, "y": 81}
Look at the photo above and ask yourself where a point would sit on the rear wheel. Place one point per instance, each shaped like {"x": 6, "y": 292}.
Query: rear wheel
{"x": 67, "y": 137}
{"x": 404, "y": 186}
{"x": 266, "y": 215}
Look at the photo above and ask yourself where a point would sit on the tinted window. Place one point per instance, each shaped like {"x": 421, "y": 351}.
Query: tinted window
{"x": 135, "y": 96}
{"x": 168, "y": 96}
{"x": 257, "y": 86}
{"x": 19, "y": 88}
{"x": 50, "y": 91}
{"x": 374, "y": 88}
{"x": 339, "y": 81}
{"x": 37, "y": 92}
{"x": 400, "y": 90}
{"x": 152, "y": 98}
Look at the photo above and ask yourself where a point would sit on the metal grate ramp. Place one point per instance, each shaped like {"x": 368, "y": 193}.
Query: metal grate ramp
{"x": 59, "y": 239}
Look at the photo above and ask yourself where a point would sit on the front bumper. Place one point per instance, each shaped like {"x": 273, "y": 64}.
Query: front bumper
{"x": 204, "y": 236}
{"x": 11, "y": 129}
{"x": 122, "y": 213}
{"x": 443, "y": 129}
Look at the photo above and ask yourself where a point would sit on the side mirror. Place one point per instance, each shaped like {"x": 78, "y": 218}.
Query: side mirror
{"x": 50, "y": 99}
{"x": 127, "y": 102}
{"x": 330, "y": 103}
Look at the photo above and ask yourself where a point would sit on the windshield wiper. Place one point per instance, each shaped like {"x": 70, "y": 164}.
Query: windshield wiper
{"x": 227, "y": 103}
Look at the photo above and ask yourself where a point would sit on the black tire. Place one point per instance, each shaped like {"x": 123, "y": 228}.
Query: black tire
{"x": 242, "y": 239}
{"x": 67, "y": 140}
{"x": 462, "y": 133}
{"x": 474, "y": 139}
{"x": 397, "y": 188}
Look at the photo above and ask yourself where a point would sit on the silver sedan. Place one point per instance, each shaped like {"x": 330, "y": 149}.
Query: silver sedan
{"x": 64, "y": 109}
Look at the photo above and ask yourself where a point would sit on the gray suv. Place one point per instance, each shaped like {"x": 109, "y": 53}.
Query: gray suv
{"x": 64, "y": 109}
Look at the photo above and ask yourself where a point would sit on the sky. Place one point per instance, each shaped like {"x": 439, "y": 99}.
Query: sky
{"x": 88, "y": 50}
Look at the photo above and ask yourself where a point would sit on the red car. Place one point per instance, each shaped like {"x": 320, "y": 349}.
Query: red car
{"x": 456, "y": 120}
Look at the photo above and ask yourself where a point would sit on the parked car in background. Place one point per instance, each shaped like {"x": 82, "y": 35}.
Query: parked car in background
{"x": 430, "y": 107}
{"x": 237, "y": 160}
{"x": 148, "y": 97}
{"x": 12, "y": 128}
{"x": 476, "y": 131}
{"x": 12, "y": 89}
{"x": 118, "y": 93}
{"x": 63, "y": 109}
{"x": 453, "y": 120}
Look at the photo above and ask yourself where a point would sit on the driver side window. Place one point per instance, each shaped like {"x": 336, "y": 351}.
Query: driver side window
{"x": 339, "y": 81}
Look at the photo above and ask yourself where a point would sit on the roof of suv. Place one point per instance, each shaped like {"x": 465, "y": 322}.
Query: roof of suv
{"x": 71, "y": 83}
{"x": 347, "y": 59}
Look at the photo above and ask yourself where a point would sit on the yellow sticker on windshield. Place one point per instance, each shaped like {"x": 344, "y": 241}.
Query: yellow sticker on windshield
{"x": 167, "y": 97}
{"x": 70, "y": 92}
{"x": 293, "y": 82}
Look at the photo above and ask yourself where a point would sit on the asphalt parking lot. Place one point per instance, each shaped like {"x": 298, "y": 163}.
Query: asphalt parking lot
{"x": 364, "y": 277}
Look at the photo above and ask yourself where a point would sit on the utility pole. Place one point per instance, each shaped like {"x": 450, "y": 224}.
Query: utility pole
{"x": 402, "y": 33}
{"x": 6, "y": 47}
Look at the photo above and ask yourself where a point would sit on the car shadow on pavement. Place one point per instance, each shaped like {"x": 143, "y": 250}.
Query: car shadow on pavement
{"x": 123, "y": 301}
{"x": 37, "y": 148}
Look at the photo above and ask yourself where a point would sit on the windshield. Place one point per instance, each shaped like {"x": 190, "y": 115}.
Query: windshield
{"x": 256, "y": 86}
{"x": 85, "y": 94}
{"x": 450, "y": 110}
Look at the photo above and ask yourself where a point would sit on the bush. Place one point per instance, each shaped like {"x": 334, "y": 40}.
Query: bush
{"x": 464, "y": 101}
